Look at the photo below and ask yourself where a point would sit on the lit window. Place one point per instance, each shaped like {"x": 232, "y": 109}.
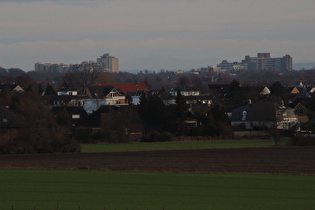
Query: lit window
{"x": 75, "y": 116}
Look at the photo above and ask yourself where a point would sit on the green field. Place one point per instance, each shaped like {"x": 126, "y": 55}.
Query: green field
{"x": 180, "y": 145}
{"x": 84, "y": 189}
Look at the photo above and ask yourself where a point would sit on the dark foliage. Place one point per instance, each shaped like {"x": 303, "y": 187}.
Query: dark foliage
{"x": 50, "y": 90}
{"x": 156, "y": 136}
{"x": 235, "y": 94}
{"x": 38, "y": 131}
{"x": 303, "y": 141}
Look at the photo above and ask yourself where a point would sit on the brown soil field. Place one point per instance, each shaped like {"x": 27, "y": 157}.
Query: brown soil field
{"x": 279, "y": 160}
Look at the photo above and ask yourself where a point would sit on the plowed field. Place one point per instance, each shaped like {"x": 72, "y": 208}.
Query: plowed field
{"x": 288, "y": 160}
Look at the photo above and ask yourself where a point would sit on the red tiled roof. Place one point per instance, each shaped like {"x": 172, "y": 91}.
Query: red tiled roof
{"x": 127, "y": 87}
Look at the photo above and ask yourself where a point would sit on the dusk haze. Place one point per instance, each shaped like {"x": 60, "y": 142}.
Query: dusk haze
{"x": 153, "y": 34}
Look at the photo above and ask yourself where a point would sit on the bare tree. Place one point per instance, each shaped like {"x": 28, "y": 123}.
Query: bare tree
{"x": 89, "y": 72}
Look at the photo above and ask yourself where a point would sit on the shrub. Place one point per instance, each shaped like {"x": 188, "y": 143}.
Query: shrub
{"x": 303, "y": 141}
{"x": 156, "y": 136}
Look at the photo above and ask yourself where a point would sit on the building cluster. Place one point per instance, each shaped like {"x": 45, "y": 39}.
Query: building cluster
{"x": 263, "y": 61}
{"x": 89, "y": 111}
{"x": 105, "y": 63}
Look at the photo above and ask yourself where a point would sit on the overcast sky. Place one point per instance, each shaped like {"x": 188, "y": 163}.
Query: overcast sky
{"x": 72, "y": 31}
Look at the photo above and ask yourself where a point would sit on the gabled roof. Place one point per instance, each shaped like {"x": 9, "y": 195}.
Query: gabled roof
{"x": 11, "y": 87}
{"x": 298, "y": 90}
{"x": 126, "y": 87}
{"x": 294, "y": 91}
{"x": 311, "y": 90}
{"x": 265, "y": 91}
{"x": 101, "y": 91}
{"x": 220, "y": 89}
{"x": 300, "y": 106}
{"x": 260, "y": 111}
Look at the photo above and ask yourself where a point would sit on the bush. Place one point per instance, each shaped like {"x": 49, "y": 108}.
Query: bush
{"x": 20, "y": 146}
{"x": 156, "y": 136}
{"x": 82, "y": 135}
{"x": 303, "y": 141}
{"x": 196, "y": 131}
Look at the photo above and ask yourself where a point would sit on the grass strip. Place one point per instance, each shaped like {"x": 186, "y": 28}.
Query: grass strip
{"x": 179, "y": 145}
{"x": 88, "y": 189}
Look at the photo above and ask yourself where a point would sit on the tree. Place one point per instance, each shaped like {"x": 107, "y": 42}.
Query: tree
{"x": 89, "y": 72}
{"x": 181, "y": 113}
{"x": 217, "y": 122}
{"x": 153, "y": 113}
{"x": 50, "y": 90}
{"x": 277, "y": 89}
{"x": 235, "y": 94}
{"x": 104, "y": 78}
{"x": 183, "y": 83}
{"x": 41, "y": 133}
{"x": 40, "y": 89}
{"x": 71, "y": 81}
{"x": 5, "y": 97}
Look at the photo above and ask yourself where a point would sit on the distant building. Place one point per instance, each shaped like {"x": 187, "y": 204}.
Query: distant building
{"x": 232, "y": 66}
{"x": 51, "y": 67}
{"x": 263, "y": 61}
{"x": 108, "y": 63}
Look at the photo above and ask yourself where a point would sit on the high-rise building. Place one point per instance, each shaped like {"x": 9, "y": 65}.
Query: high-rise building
{"x": 108, "y": 63}
{"x": 263, "y": 61}
{"x": 51, "y": 67}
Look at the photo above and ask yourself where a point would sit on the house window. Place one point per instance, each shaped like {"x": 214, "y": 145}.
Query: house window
{"x": 117, "y": 102}
{"x": 75, "y": 116}
{"x": 244, "y": 113}
{"x": 4, "y": 120}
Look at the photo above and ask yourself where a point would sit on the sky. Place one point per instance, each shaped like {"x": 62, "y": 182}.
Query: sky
{"x": 154, "y": 34}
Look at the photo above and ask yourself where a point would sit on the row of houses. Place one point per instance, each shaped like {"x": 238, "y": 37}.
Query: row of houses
{"x": 98, "y": 99}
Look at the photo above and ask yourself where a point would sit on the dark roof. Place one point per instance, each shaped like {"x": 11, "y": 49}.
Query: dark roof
{"x": 137, "y": 93}
{"x": 199, "y": 109}
{"x": 10, "y": 119}
{"x": 218, "y": 92}
{"x": 69, "y": 109}
{"x": 8, "y": 86}
{"x": 127, "y": 87}
{"x": 51, "y": 99}
{"x": 95, "y": 119}
{"x": 260, "y": 111}
{"x": 101, "y": 91}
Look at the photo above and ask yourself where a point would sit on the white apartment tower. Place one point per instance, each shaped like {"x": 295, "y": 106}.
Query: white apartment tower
{"x": 108, "y": 63}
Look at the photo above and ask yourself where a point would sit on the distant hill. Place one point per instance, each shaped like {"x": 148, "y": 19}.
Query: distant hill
{"x": 299, "y": 66}
{"x": 156, "y": 63}
{"x": 13, "y": 72}
{"x": 3, "y": 72}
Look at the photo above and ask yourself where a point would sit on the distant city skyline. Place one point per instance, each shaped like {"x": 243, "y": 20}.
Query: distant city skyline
{"x": 154, "y": 35}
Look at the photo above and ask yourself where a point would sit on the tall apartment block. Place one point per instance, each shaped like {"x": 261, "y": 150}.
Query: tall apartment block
{"x": 263, "y": 61}
{"x": 51, "y": 67}
{"x": 108, "y": 63}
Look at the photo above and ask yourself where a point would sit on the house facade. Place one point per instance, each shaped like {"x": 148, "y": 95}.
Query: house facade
{"x": 301, "y": 112}
{"x": 264, "y": 115}
{"x": 103, "y": 95}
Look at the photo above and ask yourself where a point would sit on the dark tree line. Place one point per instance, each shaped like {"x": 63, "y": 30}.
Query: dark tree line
{"x": 37, "y": 130}
{"x": 162, "y": 121}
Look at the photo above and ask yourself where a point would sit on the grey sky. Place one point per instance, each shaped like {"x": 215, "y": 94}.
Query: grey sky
{"x": 188, "y": 30}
